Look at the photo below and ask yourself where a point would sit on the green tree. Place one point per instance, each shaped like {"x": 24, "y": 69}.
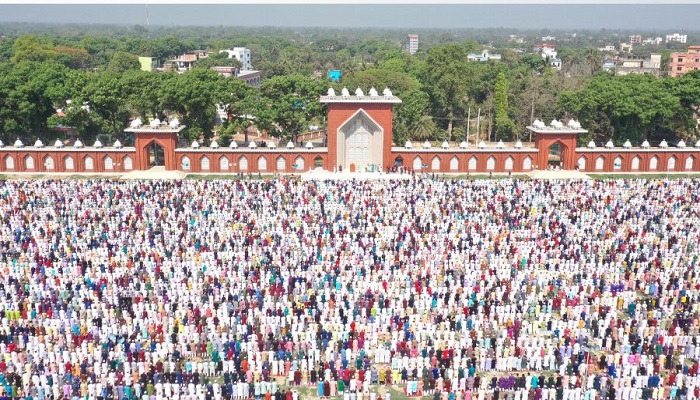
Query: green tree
{"x": 122, "y": 62}
{"x": 504, "y": 125}
{"x": 293, "y": 102}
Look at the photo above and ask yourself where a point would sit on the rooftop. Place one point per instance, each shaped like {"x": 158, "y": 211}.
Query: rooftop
{"x": 359, "y": 97}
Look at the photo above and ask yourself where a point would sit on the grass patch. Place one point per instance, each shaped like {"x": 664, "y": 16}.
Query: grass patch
{"x": 672, "y": 175}
{"x": 245, "y": 177}
{"x": 485, "y": 176}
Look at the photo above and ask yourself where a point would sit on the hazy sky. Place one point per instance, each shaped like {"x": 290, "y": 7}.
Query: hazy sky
{"x": 671, "y": 17}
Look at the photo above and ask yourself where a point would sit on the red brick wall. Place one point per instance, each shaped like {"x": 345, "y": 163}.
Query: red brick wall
{"x": 168, "y": 140}
{"x": 61, "y": 160}
{"x": 644, "y": 156}
{"x": 463, "y": 157}
{"x": 253, "y": 156}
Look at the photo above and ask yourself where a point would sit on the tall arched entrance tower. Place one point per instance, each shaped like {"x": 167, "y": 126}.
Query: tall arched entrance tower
{"x": 556, "y": 141}
{"x": 155, "y": 144}
{"x": 359, "y": 129}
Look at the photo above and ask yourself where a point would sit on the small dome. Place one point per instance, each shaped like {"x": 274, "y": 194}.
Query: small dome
{"x": 359, "y": 93}
{"x": 252, "y": 145}
{"x": 331, "y": 92}
{"x": 663, "y": 144}
{"x": 309, "y": 145}
{"x": 214, "y": 144}
{"x": 345, "y": 92}
{"x": 155, "y": 123}
{"x": 58, "y": 144}
{"x": 118, "y": 144}
{"x": 78, "y": 143}
{"x": 98, "y": 143}
{"x": 627, "y": 144}
{"x": 427, "y": 145}
{"x": 136, "y": 123}
{"x": 174, "y": 123}
{"x": 553, "y": 123}
{"x": 195, "y": 144}
{"x": 18, "y": 143}
{"x": 38, "y": 143}
{"x": 463, "y": 145}
{"x": 408, "y": 144}
{"x": 681, "y": 144}
{"x": 271, "y": 144}
{"x": 445, "y": 145}
{"x": 373, "y": 93}
{"x": 609, "y": 144}
{"x": 645, "y": 144}
{"x": 482, "y": 145}
{"x": 500, "y": 144}
{"x": 697, "y": 144}
{"x": 518, "y": 144}
{"x": 387, "y": 93}
{"x": 591, "y": 145}
{"x": 290, "y": 145}
{"x": 2, "y": 144}
{"x": 233, "y": 144}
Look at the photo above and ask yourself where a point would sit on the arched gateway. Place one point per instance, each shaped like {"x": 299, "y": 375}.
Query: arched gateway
{"x": 359, "y": 129}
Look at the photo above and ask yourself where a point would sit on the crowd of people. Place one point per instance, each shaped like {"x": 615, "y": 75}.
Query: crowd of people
{"x": 449, "y": 289}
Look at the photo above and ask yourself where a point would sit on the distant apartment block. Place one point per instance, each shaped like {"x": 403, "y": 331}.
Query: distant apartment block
{"x": 625, "y": 48}
{"x": 651, "y": 66}
{"x": 546, "y": 50}
{"x": 241, "y": 54}
{"x": 549, "y": 38}
{"x": 484, "y": 56}
{"x": 681, "y": 63}
{"x": 635, "y": 39}
{"x": 676, "y": 37}
{"x": 412, "y": 43}
{"x": 252, "y": 78}
{"x": 653, "y": 41}
{"x": 609, "y": 48}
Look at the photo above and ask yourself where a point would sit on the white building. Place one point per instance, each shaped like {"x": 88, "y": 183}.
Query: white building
{"x": 610, "y": 48}
{"x": 676, "y": 37}
{"x": 654, "y": 41}
{"x": 241, "y": 54}
{"x": 412, "y": 43}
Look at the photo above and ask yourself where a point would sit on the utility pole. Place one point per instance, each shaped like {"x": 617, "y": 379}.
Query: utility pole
{"x": 148, "y": 24}
{"x": 478, "y": 124}
{"x": 469, "y": 122}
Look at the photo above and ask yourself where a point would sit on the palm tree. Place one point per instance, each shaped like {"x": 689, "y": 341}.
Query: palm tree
{"x": 424, "y": 129}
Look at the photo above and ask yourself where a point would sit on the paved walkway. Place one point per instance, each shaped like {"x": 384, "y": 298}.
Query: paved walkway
{"x": 154, "y": 173}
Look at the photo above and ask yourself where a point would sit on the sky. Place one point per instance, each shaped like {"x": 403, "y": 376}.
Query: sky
{"x": 670, "y": 17}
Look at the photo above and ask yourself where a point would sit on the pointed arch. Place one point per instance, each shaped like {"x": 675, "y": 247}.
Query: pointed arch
{"x": 491, "y": 163}
{"x": 417, "y": 163}
{"x": 527, "y": 163}
{"x": 281, "y": 163}
{"x": 204, "y": 163}
{"x": 299, "y": 163}
{"x": 29, "y": 162}
{"x": 454, "y": 163}
{"x": 223, "y": 163}
{"x": 108, "y": 163}
{"x": 654, "y": 163}
{"x": 581, "y": 163}
{"x": 49, "y": 163}
{"x": 671, "y": 163}
{"x": 617, "y": 163}
{"x": 508, "y": 165}
{"x": 89, "y": 163}
{"x": 636, "y": 162}
{"x": 69, "y": 163}
{"x": 243, "y": 163}
{"x": 473, "y": 162}
{"x": 435, "y": 164}
{"x": 318, "y": 162}
{"x": 689, "y": 163}
{"x": 9, "y": 162}
{"x": 185, "y": 163}
{"x": 600, "y": 163}
{"x": 128, "y": 163}
{"x": 262, "y": 163}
